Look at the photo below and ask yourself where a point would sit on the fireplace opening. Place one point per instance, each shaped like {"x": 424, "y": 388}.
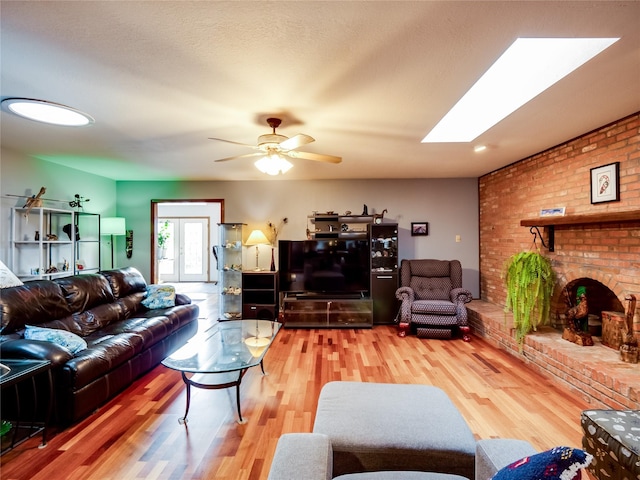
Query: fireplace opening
{"x": 599, "y": 299}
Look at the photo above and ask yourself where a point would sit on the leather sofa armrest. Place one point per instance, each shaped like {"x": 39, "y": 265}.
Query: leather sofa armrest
{"x": 35, "y": 350}
{"x": 307, "y": 456}
{"x": 182, "y": 299}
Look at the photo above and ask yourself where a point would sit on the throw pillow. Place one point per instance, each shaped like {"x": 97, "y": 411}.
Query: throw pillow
{"x": 559, "y": 463}
{"x": 160, "y": 296}
{"x": 68, "y": 340}
{"x": 7, "y": 278}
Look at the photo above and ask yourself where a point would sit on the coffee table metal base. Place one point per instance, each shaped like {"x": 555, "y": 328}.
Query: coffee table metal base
{"x": 227, "y": 380}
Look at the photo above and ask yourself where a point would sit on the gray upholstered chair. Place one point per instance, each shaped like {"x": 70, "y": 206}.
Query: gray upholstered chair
{"x": 433, "y": 300}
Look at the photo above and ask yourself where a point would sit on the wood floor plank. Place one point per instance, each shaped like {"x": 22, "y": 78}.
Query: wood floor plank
{"x": 137, "y": 434}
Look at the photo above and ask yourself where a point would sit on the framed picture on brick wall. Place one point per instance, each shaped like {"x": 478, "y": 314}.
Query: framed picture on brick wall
{"x": 605, "y": 183}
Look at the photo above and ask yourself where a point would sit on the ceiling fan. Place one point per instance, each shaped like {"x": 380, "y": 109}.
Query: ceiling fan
{"x": 274, "y": 147}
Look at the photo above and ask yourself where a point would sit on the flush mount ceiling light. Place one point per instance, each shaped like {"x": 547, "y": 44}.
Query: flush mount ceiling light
{"x": 527, "y": 68}
{"x": 46, "y": 112}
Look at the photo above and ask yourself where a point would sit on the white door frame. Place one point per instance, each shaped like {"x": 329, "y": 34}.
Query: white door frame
{"x": 214, "y": 206}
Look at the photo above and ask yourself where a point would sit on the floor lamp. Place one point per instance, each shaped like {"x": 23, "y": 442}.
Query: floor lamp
{"x": 112, "y": 226}
{"x": 257, "y": 238}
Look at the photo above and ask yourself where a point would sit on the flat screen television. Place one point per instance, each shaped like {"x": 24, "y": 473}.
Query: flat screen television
{"x": 330, "y": 267}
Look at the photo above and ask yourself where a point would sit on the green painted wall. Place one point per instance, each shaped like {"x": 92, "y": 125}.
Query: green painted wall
{"x": 20, "y": 175}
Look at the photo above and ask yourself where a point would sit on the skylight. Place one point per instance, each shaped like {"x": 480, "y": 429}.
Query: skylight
{"x": 527, "y": 68}
{"x": 46, "y": 112}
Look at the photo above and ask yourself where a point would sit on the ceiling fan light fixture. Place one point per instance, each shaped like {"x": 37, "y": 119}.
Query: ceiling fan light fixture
{"x": 273, "y": 164}
{"x": 46, "y": 112}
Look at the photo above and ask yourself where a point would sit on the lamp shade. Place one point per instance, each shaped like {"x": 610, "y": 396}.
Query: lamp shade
{"x": 112, "y": 226}
{"x": 257, "y": 238}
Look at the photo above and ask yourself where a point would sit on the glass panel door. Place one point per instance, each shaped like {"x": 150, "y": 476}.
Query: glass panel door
{"x": 184, "y": 256}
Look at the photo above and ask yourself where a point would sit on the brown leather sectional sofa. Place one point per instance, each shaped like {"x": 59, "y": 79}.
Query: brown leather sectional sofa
{"x": 124, "y": 338}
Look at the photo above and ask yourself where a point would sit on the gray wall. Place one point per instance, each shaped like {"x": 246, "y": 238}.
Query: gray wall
{"x": 449, "y": 205}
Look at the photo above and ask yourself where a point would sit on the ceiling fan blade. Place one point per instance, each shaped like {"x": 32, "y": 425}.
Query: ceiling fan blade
{"x": 240, "y": 156}
{"x": 318, "y": 157}
{"x": 235, "y": 143}
{"x": 296, "y": 142}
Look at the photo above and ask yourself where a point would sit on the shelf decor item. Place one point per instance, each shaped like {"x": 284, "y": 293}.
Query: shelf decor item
{"x": 274, "y": 239}
{"x": 257, "y": 237}
{"x": 530, "y": 280}
{"x": 605, "y": 183}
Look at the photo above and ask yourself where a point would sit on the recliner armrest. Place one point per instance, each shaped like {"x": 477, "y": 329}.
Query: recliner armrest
{"x": 405, "y": 293}
{"x": 460, "y": 295}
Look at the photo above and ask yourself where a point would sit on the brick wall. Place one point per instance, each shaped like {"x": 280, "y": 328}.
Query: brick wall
{"x": 607, "y": 253}
{"x": 560, "y": 177}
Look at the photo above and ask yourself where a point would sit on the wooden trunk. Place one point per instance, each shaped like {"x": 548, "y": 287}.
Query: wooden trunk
{"x": 613, "y": 328}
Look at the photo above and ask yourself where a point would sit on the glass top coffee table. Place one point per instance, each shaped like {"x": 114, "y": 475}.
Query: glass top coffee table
{"x": 220, "y": 357}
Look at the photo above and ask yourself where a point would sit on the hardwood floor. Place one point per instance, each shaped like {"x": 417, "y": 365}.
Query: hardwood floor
{"x": 137, "y": 435}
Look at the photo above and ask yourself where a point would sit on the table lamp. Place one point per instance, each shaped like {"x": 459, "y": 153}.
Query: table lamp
{"x": 112, "y": 226}
{"x": 257, "y": 238}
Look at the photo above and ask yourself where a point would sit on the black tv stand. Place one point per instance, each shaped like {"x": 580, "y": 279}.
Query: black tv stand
{"x": 329, "y": 296}
{"x": 318, "y": 310}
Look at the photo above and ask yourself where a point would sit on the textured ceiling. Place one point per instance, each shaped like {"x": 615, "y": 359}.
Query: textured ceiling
{"x": 367, "y": 80}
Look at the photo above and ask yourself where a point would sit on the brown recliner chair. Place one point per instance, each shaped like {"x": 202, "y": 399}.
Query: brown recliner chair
{"x": 433, "y": 300}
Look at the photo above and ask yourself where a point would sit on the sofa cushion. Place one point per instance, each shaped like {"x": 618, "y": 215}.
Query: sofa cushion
{"x": 431, "y": 288}
{"x": 559, "y": 463}
{"x": 370, "y": 432}
{"x": 68, "y": 340}
{"x": 84, "y": 292}
{"x": 32, "y": 303}
{"x": 103, "y": 354}
{"x": 399, "y": 475}
{"x": 160, "y": 296}
{"x": 96, "y": 318}
{"x": 430, "y": 268}
{"x": 151, "y": 330}
{"x": 438, "y": 307}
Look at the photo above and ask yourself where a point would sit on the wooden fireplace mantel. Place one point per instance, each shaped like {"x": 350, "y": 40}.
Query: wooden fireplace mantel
{"x": 578, "y": 220}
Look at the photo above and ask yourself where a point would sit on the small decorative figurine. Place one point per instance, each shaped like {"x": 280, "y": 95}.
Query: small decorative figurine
{"x": 577, "y": 317}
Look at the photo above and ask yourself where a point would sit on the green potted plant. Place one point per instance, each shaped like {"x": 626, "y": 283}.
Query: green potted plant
{"x": 529, "y": 281}
{"x": 163, "y": 235}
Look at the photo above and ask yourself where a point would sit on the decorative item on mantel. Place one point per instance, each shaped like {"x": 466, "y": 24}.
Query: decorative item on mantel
{"x": 629, "y": 347}
{"x": 378, "y": 217}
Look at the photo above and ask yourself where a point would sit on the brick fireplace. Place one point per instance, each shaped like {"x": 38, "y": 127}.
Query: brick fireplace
{"x": 597, "y": 245}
